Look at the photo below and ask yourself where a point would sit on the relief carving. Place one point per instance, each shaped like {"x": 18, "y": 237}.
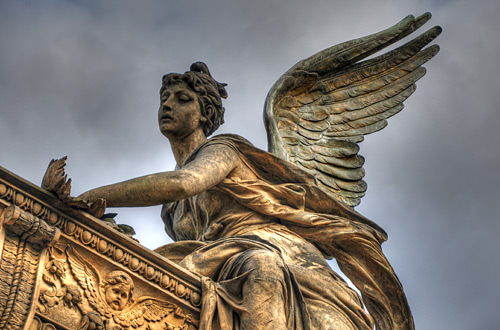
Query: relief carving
{"x": 25, "y": 240}
{"x": 41, "y": 324}
{"x": 76, "y": 292}
{"x": 56, "y": 220}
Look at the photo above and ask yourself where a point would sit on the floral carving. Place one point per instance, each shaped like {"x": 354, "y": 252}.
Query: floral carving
{"x": 72, "y": 296}
{"x": 56, "y": 267}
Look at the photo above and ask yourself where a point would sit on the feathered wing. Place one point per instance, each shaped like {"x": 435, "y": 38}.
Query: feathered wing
{"x": 88, "y": 278}
{"x": 146, "y": 309}
{"x": 320, "y": 109}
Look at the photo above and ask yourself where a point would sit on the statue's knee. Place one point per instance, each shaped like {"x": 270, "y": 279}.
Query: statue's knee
{"x": 265, "y": 263}
{"x": 264, "y": 290}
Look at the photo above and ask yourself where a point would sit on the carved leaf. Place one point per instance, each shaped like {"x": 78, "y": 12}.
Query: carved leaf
{"x": 54, "y": 179}
{"x": 48, "y": 280}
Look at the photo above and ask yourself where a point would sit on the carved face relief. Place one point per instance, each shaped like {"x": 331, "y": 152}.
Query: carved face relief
{"x": 180, "y": 113}
{"x": 117, "y": 295}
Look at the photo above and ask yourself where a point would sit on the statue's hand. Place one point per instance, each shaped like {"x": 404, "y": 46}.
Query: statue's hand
{"x": 55, "y": 180}
{"x": 95, "y": 207}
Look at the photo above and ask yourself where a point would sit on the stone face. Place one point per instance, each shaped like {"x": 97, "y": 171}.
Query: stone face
{"x": 61, "y": 268}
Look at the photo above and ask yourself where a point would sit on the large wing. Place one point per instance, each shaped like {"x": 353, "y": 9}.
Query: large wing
{"x": 88, "y": 278}
{"x": 320, "y": 109}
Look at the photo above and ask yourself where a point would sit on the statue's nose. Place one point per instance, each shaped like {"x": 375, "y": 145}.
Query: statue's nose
{"x": 165, "y": 107}
{"x": 168, "y": 104}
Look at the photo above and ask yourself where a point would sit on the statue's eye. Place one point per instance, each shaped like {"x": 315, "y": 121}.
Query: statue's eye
{"x": 184, "y": 98}
{"x": 164, "y": 97}
{"x": 124, "y": 295}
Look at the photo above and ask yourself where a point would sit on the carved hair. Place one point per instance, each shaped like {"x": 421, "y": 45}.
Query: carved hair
{"x": 208, "y": 90}
{"x": 119, "y": 277}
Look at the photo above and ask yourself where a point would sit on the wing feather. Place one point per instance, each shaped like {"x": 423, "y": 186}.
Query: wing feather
{"x": 357, "y": 134}
{"x": 306, "y": 153}
{"x": 355, "y": 50}
{"x": 355, "y": 161}
{"x": 88, "y": 278}
{"x": 409, "y": 53}
{"x": 145, "y": 309}
{"x": 310, "y": 135}
{"x": 362, "y": 101}
{"x": 335, "y": 148}
{"x": 349, "y": 174}
{"x": 319, "y": 110}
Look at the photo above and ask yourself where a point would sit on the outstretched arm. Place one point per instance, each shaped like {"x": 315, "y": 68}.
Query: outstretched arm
{"x": 211, "y": 165}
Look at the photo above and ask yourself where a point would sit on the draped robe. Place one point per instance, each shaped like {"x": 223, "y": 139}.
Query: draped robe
{"x": 277, "y": 224}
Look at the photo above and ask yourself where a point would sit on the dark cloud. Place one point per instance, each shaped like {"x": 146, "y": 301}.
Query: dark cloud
{"x": 82, "y": 79}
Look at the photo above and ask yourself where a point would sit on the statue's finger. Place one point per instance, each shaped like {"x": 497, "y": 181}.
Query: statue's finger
{"x": 98, "y": 208}
{"x": 78, "y": 203}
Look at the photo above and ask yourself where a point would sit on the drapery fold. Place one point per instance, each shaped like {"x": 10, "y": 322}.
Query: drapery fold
{"x": 290, "y": 196}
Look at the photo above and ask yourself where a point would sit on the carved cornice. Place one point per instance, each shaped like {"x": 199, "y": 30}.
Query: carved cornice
{"x": 100, "y": 238}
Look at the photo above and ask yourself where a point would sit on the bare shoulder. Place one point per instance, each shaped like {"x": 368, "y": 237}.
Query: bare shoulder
{"x": 229, "y": 155}
{"x": 213, "y": 162}
{"x": 218, "y": 153}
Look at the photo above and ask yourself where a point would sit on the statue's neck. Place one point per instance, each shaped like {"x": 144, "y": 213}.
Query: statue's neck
{"x": 183, "y": 147}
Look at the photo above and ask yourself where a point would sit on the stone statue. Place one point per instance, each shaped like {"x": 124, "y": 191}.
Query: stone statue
{"x": 257, "y": 226}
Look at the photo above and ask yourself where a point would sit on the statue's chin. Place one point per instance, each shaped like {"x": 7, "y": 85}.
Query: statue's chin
{"x": 115, "y": 306}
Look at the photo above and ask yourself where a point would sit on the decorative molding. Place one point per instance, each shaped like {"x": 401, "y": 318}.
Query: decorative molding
{"x": 75, "y": 292}
{"x": 183, "y": 290}
{"x": 25, "y": 239}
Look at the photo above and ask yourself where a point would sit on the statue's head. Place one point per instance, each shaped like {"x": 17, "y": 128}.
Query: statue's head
{"x": 209, "y": 93}
{"x": 117, "y": 289}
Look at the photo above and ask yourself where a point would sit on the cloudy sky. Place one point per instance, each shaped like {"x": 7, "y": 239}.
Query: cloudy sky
{"x": 82, "y": 80}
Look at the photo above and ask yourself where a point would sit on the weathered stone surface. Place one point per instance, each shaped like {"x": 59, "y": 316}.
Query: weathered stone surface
{"x": 59, "y": 267}
{"x": 255, "y": 226}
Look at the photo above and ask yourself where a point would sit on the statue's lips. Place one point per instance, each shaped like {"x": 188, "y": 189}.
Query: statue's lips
{"x": 115, "y": 304}
{"x": 166, "y": 118}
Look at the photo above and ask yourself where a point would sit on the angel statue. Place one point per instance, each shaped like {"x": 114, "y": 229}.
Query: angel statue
{"x": 257, "y": 226}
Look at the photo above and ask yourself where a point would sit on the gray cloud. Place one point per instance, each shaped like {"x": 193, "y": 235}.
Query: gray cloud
{"x": 83, "y": 79}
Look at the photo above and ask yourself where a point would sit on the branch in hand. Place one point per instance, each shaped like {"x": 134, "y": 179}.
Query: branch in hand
{"x": 55, "y": 180}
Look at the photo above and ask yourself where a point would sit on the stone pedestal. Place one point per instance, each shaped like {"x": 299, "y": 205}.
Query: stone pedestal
{"x": 61, "y": 268}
